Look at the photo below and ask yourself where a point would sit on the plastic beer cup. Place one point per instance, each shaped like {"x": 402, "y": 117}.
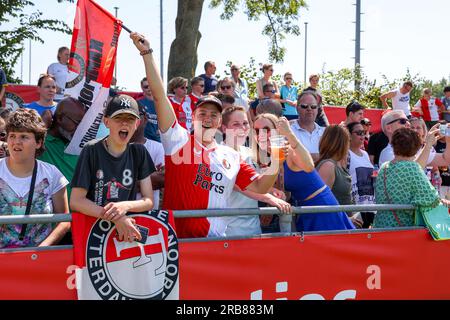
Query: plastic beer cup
{"x": 277, "y": 143}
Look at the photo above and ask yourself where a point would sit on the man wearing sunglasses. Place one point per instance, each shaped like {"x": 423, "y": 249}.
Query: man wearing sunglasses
{"x": 426, "y": 156}
{"x": 151, "y": 130}
{"x": 305, "y": 128}
{"x": 390, "y": 122}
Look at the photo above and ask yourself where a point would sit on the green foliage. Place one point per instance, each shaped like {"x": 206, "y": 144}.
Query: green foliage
{"x": 282, "y": 19}
{"x": 337, "y": 87}
{"x": 26, "y": 26}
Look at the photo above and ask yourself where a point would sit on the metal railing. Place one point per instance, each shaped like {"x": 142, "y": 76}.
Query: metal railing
{"x": 56, "y": 218}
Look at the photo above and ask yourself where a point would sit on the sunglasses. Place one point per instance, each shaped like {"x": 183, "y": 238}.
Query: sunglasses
{"x": 272, "y": 91}
{"x": 305, "y": 106}
{"x": 225, "y": 87}
{"x": 359, "y": 132}
{"x": 2, "y": 134}
{"x": 288, "y": 78}
{"x": 400, "y": 120}
{"x": 145, "y": 87}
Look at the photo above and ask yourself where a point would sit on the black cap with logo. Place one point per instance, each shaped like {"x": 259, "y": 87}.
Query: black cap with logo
{"x": 209, "y": 99}
{"x": 122, "y": 104}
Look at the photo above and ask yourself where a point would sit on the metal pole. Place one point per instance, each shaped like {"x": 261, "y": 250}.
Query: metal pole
{"x": 29, "y": 64}
{"x": 306, "y": 47}
{"x": 357, "y": 43}
{"x": 161, "y": 38}
{"x": 115, "y": 67}
{"x": 58, "y": 217}
{"x": 21, "y": 64}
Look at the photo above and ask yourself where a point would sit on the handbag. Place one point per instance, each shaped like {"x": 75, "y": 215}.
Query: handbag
{"x": 437, "y": 221}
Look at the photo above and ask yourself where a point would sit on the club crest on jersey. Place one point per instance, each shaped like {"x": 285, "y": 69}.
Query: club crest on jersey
{"x": 145, "y": 269}
{"x": 226, "y": 164}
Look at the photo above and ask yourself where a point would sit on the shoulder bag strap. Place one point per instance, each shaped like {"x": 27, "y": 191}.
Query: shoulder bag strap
{"x": 30, "y": 200}
{"x": 387, "y": 195}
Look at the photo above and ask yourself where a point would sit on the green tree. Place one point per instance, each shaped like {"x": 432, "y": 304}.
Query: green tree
{"x": 281, "y": 17}
{"x": 25, "y": 26}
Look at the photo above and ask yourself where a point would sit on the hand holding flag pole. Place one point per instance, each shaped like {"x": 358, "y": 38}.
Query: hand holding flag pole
{"x": 130, "y": 32}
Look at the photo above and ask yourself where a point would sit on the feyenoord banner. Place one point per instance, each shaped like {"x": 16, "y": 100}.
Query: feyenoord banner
{"x": 110, "y": 269}
{"x": 91, "y": 65}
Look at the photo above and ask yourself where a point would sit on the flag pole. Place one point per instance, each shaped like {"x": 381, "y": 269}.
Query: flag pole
{"x": 129, "y": 31}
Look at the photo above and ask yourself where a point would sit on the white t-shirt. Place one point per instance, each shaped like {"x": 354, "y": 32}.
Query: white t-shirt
{"x": 243, "y": 225}
{"x": 60, "y": 71}
{"x": 388, "y": 154}
{"x": 401, "y": 102}
{"x": 309, "y": 140}
{"x": 14, "y": 197}
{"x": 361, "y": 170}
{"x": 156, "y": 151}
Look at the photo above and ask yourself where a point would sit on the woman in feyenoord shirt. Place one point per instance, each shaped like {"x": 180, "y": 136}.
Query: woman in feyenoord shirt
{"x": 200, "y": 174}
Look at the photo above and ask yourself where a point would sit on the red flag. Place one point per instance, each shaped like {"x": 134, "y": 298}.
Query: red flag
{"x": 91, "y": 66}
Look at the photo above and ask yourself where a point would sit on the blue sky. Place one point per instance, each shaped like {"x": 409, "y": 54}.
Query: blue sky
{"x": 397, "y": 35}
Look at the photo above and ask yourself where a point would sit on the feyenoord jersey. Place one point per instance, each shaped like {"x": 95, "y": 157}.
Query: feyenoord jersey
{"x": 183, "y": 111}
{"x": 199, "y": 178}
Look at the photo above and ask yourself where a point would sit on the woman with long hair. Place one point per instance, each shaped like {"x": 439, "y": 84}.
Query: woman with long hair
{"x": 267, "y": 70}
{"x": 361, "y": 170}
{"x": 300, "y": 178}
{"x": 236, "y": 127}
{"x": 332, "y": 162}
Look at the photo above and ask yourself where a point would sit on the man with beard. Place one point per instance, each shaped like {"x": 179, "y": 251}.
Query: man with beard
{"x": 68, "y": 116}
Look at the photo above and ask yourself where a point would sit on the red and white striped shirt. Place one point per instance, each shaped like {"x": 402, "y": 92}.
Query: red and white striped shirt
{"x": 183, "y": 111}
{"x": 200, "y": 178}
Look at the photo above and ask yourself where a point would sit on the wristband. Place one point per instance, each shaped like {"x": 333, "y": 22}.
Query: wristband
{"x": 144, "y": 52}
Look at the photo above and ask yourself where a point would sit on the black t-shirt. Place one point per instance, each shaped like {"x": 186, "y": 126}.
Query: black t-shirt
{"x": 110, "y": 179}
{"x": 377, "y": 142}
{"x": 445, "y": 174}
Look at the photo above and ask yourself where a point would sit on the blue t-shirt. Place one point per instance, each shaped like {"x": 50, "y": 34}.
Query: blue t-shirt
{"x": 40, "y": 109}
{"x": 289, "y": 94}
{"x": 151, "y": 130}
{"x": 210, "y": 83}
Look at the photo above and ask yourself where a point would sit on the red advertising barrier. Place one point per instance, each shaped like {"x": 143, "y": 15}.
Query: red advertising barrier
{"x": 369, "y": 265}
{"x": 16, "y": 95}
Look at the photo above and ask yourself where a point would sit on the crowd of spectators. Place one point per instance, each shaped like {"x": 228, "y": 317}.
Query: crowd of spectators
{"x": 205, "y": 144}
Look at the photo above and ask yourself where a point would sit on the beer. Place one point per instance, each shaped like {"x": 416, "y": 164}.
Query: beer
{"x": 277, "y": 144}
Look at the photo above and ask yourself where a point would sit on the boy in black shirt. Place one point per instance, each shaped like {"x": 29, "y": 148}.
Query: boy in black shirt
{"x": 104, "y": 183}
